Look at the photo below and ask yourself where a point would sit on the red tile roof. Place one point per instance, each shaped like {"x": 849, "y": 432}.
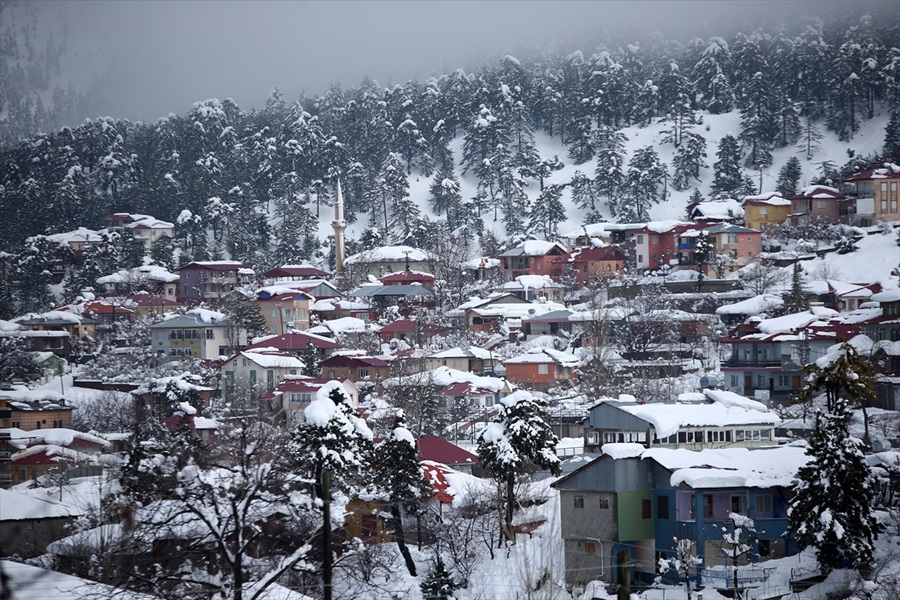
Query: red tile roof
{"x": 438, "y": 450}
{"x": 295, "y": 340}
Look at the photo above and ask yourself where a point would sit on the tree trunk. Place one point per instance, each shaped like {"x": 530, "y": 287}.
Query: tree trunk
{"x": 510, "y": 499}
{"x": 326, "y": 534}
{"x": 401, "y": 540}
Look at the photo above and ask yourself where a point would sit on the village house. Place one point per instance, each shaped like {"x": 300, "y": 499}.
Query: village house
{"x": 355, "y": 366}
{"x": 146, "y": 278}
{"x": 820, "y": 202}
{"x": 34, "y": 453}
{"x": 624, "y": 510}
{"x": 551, "y": 323}
{"x": 766, "y": 210}
{"x": 723, "y": 210}
{"x": 532, "y": 257}
{"x": 295, "y": 342}
{"x": 287, "y": 274}
{"x": 542, "y": 369}
{"x": 586, "y": 264}
{"x": 291, "y": 396}
{"x": 712, "y": 419}
{"x": 534, "y": 287}
{"x": 882, "y": 186}
{"x": 210, "y": 281}
{"x": 148, "y": 305}
{"x": 412, "y": 331}
{"x": 60, "y": 332}
{"x": 767, "y": 356}
{"x": 470, "y": 358}
{"x": 283, "y": 309}
{"x": 385, "y": 260}
{"x": 198, "y": 333}
{"x": 255, "y": 371}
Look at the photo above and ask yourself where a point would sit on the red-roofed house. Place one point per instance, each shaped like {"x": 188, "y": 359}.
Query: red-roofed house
{"x": 605, "y": 261}
{"x": 291, "y": 397}
{"x": 211, "y": 280}
{"x": 532, "y": 257}
{"x": 409, "y": 278}
{"x": 883, "y": 185}
{"x": 821, "y": 202}
{"x": 356, "y": 368}
{"x": 296, "y": 342}
{"x": 435, "y": 449}
{"x": 146, "y": 305}
{"x": 284, "y": 311}
{"x": 287, "y": 273}
{"x": 414, "y": 332}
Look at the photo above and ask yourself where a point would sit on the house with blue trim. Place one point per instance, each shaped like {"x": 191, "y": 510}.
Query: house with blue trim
{"x": 623, "y": 511}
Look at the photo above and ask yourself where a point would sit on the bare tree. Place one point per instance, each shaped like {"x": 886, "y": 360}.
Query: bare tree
{"x": 760, "y": 278}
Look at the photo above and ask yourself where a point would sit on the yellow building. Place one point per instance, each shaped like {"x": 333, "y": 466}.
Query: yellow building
{"x": 765, "y": 210}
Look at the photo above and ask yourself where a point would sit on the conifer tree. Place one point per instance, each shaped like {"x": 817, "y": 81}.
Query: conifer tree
{"x": 547, "y": 213}
{"x": 398, "y": 474}
{"x": 584, "y": 193}
{"x": 789, "y": 177}
{"x": 162, "y": 252}
{"x": 439, "y": 584}
{"x": 892, "y": 135}
{"x": 641, "y": 188}
{"x": 517, "y": 436}
{"x": 810, "y": 136}
{"x": 310, "y": 359}
{"x": 833, "y": 503}
{"x": 727, "y": 168}
{"x": 796, "y": 300}
{"x": 445, "y": 197}
{"x": 334, "y": 447}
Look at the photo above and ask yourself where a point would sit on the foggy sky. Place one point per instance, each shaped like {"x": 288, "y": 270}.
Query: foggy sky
{"x": 161, "y": 56}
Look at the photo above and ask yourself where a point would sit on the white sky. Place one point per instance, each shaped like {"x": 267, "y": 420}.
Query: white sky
{"x": 168, "y": 54}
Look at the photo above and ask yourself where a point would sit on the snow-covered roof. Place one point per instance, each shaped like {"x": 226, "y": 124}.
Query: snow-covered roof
{"x": 54, "y": 436}
{"x": 344, "y": 325}
{"x": 796, "y": 321}
{"x": 731, "y": 467}
{"x": 389, "y": 254}
{"x": 148, "y": 222}
{"x": 15, "y": 506}
{"x": 82, "y": 234}
{"x": 445, "y": 376}
{"x": 533, "y": 248}
{"x": 530, "y": 282}
{"x": 272, "y": 360}
{"x": 148, "y": 272}
{"x": 888, "y": 295}
{"x": 545, "y": 355}
{"x": 719, "y": 209}
{"x": 196, "y": 317}
{"x": 770, "y": 198}
{"x": 469, "y": 352}
{"x": 753, "y": 306}
{"x": 667, "y": 419}
{"x": 481, "y": 263}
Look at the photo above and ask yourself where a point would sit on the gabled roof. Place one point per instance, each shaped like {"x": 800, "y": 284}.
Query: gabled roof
{"x": 439, "y": 450}
{"x": 407, "y": 277}
{"x": 295, "y": 271}
{"x": 293, "y": 340}
{"x": 384, "y": 291}
{"x": 888, "y": 171}
{"x": 584, "y": 255}
{"x": 535, "y": 248}
{"x": 545, "y": 355}
{"x": 411, "y": 325}
{"x": 151, "y": 300}
{"x": 270, "y": 360}
{"x": 214, "y": 265}
{"x": 820, "y": 192}
{"x": 344, "y": 360}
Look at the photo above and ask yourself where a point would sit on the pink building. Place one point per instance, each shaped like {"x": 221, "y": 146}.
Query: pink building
{"x": 532, "y": 257}
{"x": 820, "y": 202}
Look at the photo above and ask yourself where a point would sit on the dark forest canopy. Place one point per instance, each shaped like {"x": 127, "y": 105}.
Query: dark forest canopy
{"x": 259, "y": 179}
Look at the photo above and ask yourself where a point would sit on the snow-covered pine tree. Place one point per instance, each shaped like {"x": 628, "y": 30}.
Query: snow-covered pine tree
{"x": 809, "y": 138}
{"x": 584, "y": 193}
{"x": 789, "y": 178}
{"x": 517, "y": 436}
{"x": 689, "y": 159}
{"x": 727, "y": 168}
{"x": 832, "y": 507}
{"x": 641, "y": 188}
{"x": 892, "y": 134}
{"x": 547, "y": 212}
{"x": 333, "y": 447}
{"x": 758, "y": 124}
{"x": 398, "y": 474}
{"x": 445, "y": 197}
{"x": 795, "y": 299}
{"x": 608, "y": 175}
{"x": 439, "y": 583}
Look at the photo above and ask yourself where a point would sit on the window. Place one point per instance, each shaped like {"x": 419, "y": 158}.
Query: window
{"x": 590, "y": 548}
{"x": 761, "y": 381}
{"x": 604, "y": 502}
{"x": 820, "y": 204}
{"x": 732, "y": 238}
{"x": 274, "y": 328}
{"x": 707, "y": 506}
{"x": 640, "y": 258}
{"x": 173, "y": 335}
{"x": 287, "y": 313}
{"x": 655, "y": 239}
{"x": 883, "y": 186}
{"x": 579, "y": 502}
{"x": 253, "y": 377}
{"x": 739, "y": 504}
{"x": 662, "y": 507}
{"x": 188, "y": 352}
{"x": 763, "y": 505}
{"x": 640, "y": 239}
{"x": 593, "y": 438}
{"x": 179, "y": 334}
{"x": 543, "y": 369}
{"x": 172, "y": 352}
{"x": 646, "y": 509}
{"x": 363, "y": 373}
{"x": 209, "y": 334}
{"x": 763, "y": 210}
{"x": 784, "y": 381}
{"x": 245, "y": 362}
{"x": 273, "y": 312}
